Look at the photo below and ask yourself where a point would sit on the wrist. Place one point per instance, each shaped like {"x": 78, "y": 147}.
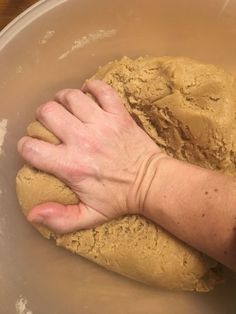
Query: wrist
{"x": 148, "y": 173}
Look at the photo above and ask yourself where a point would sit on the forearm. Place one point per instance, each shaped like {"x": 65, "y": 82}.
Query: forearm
{"x": 196, "y": 205}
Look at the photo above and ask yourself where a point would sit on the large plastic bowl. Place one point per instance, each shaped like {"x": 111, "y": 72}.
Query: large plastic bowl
{"x": 57, "y": 44}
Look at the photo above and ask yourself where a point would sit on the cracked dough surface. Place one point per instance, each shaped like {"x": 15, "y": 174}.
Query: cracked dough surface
{"x": 189, "y": 109}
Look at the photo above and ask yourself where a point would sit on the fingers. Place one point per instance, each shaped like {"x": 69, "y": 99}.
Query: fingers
{"x": 105, "y": 95}
{"x": 79, "y": 104}
{"x": 41, "y": 155}
{"x": 64, "y": 219}
{"x": 58, "y": 120}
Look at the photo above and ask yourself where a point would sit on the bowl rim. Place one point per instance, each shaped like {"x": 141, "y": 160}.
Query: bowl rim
{"x": 19, "y": 22}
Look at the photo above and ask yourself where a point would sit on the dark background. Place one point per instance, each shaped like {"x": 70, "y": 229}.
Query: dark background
{"x": 9, "y": 9}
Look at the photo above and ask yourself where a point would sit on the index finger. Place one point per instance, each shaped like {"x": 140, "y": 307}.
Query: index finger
{"x": 105, "y": 95}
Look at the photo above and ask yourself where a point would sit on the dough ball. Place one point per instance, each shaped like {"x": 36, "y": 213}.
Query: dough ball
{"x": 188, "y": 108}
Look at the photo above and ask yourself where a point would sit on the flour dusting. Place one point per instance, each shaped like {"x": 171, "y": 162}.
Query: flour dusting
{"x": 89, "y": 39}
{"x": 22, "y": 306}
{"x": 3, "y": 132}
{"x": 49, "y": 35}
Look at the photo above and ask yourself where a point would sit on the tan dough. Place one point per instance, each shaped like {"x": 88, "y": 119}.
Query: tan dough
{"x": 189, "y": 109}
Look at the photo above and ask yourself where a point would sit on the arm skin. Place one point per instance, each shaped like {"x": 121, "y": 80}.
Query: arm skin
{"x": 115, "y": 168}
{"x": 195, "y": 204}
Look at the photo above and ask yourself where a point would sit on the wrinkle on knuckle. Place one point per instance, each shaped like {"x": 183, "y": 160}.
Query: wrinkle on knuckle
{"x": 92, "y": 83}
{"x": 46, "y": 108}
{"x": 76, "y": 168}
{"x": 106, "y": 91}
{"x": 62, "y": 93}
{"x": 71, "y": 96}
{"x": 124, "y": 121}
{"x": 60, "y": 96}
{"x": 128, "y": 121}
{"x": 28, "y": 148}
{"x": 73, "y": 172}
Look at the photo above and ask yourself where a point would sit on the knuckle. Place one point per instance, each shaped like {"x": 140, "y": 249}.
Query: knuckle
{"x": 60, "y": 96}
{"x": 71, "y": 95}
{"x": 128, "y": 121}
{"x": 46, "y": 108}
{"x": 106, "y": 90}
{"x": 27, "y": 148}
{"x": 120, "y": 123}
{"x": 72, "y": 173}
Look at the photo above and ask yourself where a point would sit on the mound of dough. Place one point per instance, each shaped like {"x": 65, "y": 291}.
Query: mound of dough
{"x": 188, "y": 108}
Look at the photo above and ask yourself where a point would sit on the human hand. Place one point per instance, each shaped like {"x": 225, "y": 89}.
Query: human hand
{"x": 104, "y": 157}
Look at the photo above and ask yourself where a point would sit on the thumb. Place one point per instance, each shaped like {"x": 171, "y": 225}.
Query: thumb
{"x": 65, "y": 218}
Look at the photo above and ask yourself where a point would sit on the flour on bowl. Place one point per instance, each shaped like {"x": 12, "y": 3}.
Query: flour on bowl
{"x": 89, "y": 39}
{"x": 3, "y": 132}
{"x": 22, "y": 306}
{"x": 48, "y": 35}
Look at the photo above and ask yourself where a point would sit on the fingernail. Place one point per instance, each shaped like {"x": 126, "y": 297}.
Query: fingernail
{"x": 21, "y": 143}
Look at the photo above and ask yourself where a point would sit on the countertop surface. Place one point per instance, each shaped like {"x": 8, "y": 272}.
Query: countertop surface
{"x": 9, "y": 9}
